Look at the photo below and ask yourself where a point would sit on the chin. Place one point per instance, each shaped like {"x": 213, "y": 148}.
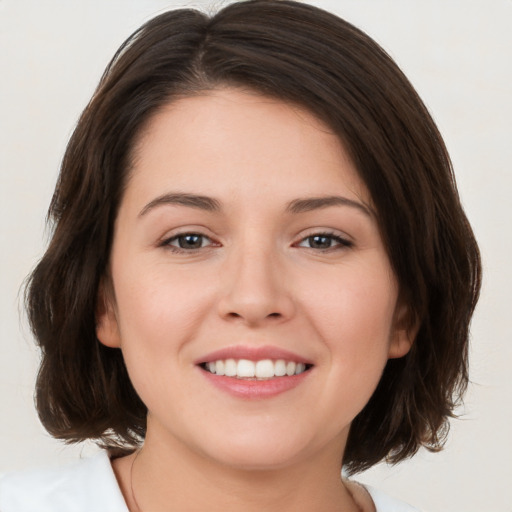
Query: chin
{"x": 260, "y": 450}
{"x": 258, "y": 458}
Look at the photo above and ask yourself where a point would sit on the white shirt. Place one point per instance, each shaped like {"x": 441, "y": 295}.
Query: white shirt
{"x": 89, "y": 485}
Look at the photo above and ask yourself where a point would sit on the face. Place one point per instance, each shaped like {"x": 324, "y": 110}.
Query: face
{"x": 253, "y": 299}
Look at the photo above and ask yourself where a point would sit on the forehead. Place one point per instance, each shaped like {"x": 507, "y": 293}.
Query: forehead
{"x": 226, "y": 141}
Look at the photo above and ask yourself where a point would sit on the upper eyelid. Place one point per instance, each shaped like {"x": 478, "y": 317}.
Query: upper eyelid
{"x": 187, "y": 230}
{"x": 334, "y": 233}
{"x": 343, "y": 240}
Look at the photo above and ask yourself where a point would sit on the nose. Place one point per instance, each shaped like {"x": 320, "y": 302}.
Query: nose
{"x": 256, "y": 290}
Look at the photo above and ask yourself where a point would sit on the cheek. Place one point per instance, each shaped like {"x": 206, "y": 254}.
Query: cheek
{"x": 159, "y": 314}
{"x": 159, "y": 310}
{"x": 353, "y": 312}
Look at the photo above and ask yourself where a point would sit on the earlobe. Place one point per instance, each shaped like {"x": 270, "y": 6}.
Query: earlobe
{"x": 404, "y": 333}
{"x": 400, "y": 344}
{"x": 107, "y": 329}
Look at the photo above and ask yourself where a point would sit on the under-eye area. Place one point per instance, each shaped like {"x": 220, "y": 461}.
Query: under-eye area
{"x": 257, "y": 370}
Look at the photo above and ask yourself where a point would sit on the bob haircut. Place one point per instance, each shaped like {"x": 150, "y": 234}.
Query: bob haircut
{"x": 304, "y": 56}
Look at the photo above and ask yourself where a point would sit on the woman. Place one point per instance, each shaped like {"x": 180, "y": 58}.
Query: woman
{"x": 260, "y": 272}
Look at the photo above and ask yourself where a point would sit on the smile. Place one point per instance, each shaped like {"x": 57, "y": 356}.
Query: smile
{"x": 263, "y": 369}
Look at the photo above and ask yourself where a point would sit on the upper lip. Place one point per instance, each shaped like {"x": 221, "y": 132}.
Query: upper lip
{"x": 252, "y": 354}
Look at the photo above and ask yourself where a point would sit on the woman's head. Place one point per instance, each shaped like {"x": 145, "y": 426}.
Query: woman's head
{"x": 314, "y": 61}
{"x": 245, "y": 236}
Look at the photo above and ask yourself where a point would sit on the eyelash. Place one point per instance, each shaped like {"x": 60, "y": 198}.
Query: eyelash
{"x": 341, "y": 243}
{"x": 167, "y": 243}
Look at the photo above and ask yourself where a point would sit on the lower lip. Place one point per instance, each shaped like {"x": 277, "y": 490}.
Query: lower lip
{"x": 255, "y": 389}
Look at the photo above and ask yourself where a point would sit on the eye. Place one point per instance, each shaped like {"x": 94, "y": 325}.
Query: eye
{"x": 324, "y": 241}
{"x": 187, "y": 241}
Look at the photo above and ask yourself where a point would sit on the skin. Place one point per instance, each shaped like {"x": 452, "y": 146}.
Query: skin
{"x": 257, "y": 279}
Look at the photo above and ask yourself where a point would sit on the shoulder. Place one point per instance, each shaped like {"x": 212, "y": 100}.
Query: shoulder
{"x": 87, "y": 485}
{"x": 385, "y": 503}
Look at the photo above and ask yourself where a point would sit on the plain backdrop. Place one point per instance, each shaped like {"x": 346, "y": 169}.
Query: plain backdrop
{"x": 458, "y": 54}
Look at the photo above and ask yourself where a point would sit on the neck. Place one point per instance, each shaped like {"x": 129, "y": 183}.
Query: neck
{"x": 169, "y": 478}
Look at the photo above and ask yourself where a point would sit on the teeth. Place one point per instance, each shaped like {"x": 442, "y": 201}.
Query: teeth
{"x": 230, "y": 367}
{"x": 245, "y": 368}
{"x": 280, "y": 368}
{"x": 263, "y": 369}
{"x": 299, "y": 368}
{"x": 219, "y": 367}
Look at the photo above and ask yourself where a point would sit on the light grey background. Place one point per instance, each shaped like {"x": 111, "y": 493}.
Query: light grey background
{"x": 458, "y": 54}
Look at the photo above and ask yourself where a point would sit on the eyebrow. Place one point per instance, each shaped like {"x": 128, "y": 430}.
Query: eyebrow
{"x": 317, "y": 203}
{"x": 213, "y": 205}
{"x": 182, "y": 199}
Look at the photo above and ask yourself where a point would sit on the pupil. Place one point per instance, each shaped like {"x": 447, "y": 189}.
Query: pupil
{"x": 190, "y": 241}
{"x": 321, "y": 242}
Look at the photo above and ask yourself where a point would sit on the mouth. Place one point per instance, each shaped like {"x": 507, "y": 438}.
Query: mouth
{"x": 259, "y": 370}
{"x": 254, "y": 372}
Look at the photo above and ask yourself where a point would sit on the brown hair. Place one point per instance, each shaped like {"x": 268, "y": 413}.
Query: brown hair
{"x": 300, "y": 54}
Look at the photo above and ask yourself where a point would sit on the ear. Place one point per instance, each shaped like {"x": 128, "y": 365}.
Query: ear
{"x": 107, "y": 328}
{"x": 404, "y": 332}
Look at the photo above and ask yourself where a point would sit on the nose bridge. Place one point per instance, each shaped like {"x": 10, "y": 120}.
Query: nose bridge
{"x": 255, "y": 284}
